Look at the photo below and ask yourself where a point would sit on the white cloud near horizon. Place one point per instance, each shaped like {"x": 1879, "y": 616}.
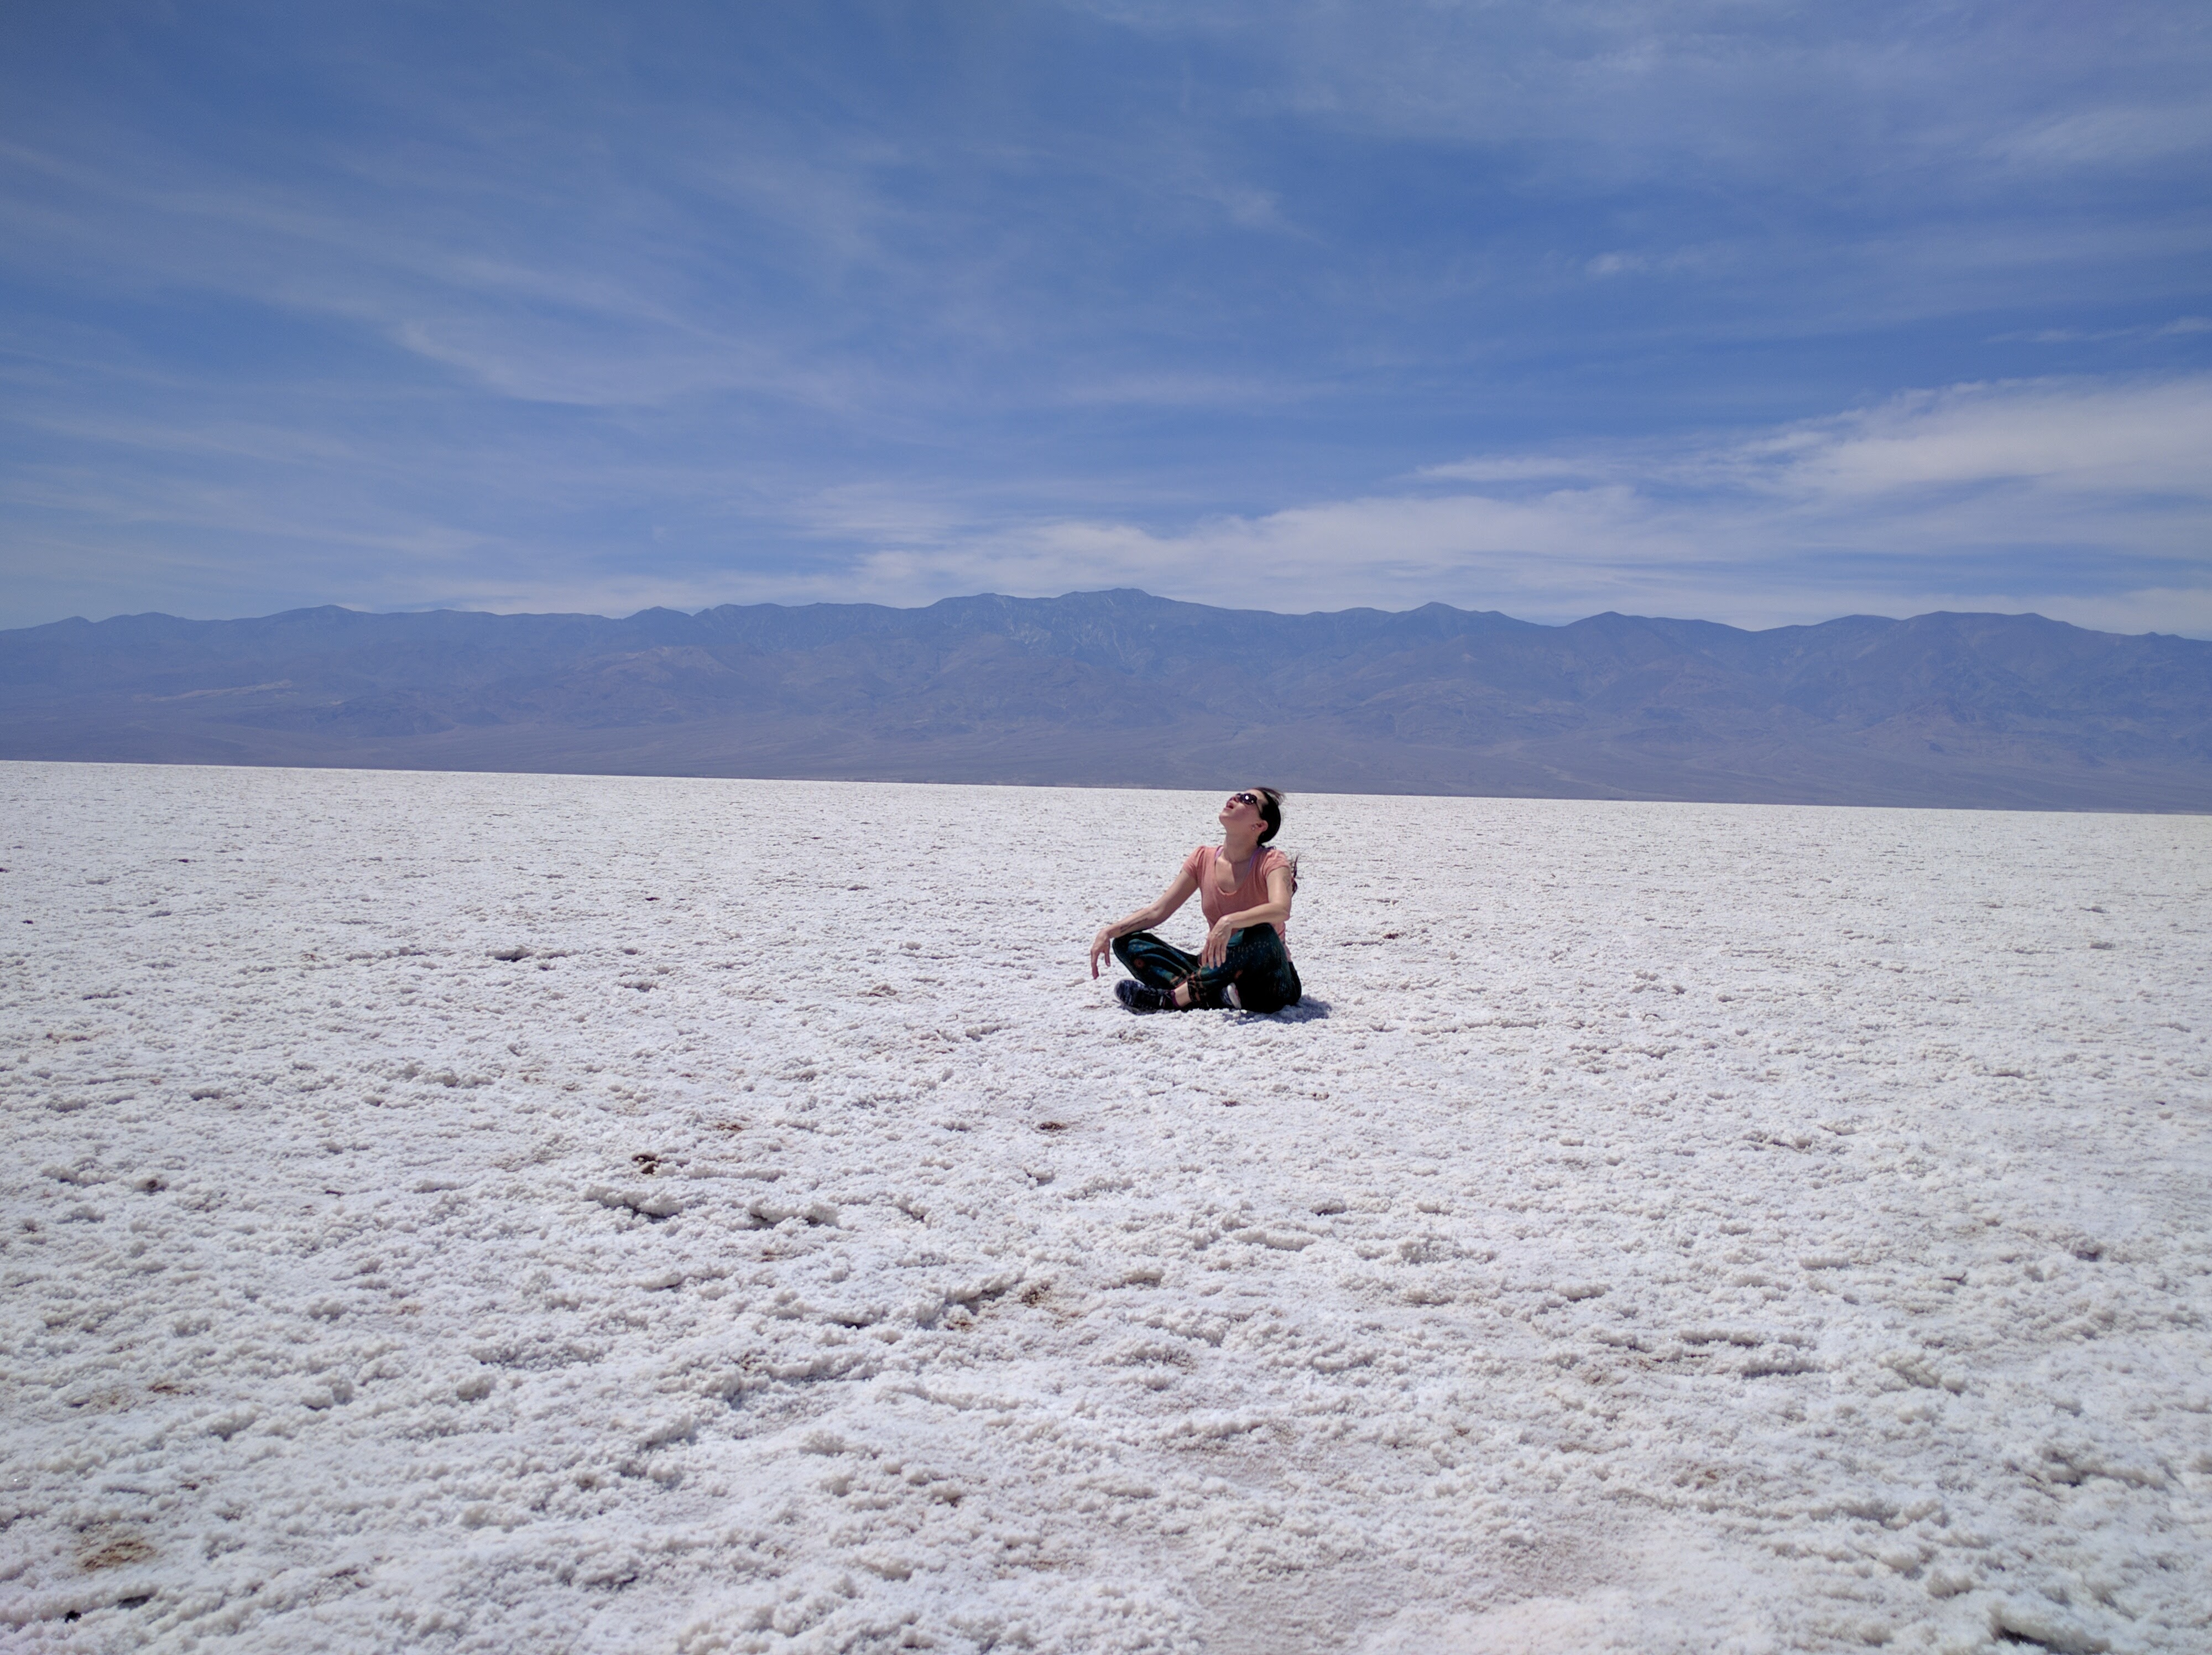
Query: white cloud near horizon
{"x": 2088, "y": 500}
{"x": 2084, "y": 501}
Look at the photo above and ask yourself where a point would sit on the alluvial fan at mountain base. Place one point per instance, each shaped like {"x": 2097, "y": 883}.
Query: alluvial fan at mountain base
{"x": 486, "y": 1212}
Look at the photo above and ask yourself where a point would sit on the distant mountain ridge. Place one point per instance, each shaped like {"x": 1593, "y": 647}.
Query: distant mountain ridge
{"x": 1121, "y": 688}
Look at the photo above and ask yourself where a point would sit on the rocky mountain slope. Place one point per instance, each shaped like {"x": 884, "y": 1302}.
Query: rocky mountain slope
{"x": 1125, "y": 688}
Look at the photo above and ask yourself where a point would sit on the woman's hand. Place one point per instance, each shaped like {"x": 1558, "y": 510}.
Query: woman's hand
{"x": 1217, "y": 943}
{"x": 1101, "y": 946}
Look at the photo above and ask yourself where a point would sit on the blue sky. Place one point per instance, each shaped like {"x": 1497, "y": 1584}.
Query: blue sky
{"x": 1764, "y": 313}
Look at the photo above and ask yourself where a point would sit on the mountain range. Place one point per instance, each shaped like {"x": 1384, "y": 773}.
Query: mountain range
{"x": 1121, "y": 688}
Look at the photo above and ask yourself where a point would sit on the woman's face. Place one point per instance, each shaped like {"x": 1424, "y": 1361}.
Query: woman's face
{"x": 1243, "y": 809}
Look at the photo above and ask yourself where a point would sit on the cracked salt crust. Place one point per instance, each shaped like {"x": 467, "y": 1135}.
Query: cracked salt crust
{"x": 497, "y": 1213}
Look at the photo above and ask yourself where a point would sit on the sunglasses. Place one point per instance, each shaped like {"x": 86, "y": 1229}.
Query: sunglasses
{"x": 1251, "y": 799}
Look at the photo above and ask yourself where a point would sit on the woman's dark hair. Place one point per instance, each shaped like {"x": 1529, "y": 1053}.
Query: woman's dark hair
{"x": 1271, "y": 812}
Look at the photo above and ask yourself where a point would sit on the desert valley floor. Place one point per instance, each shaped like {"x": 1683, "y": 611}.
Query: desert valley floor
{"x": 474, "y": 1212}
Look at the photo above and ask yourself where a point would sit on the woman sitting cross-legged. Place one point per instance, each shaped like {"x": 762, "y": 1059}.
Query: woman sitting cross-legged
{"x": 1245, "y": 890}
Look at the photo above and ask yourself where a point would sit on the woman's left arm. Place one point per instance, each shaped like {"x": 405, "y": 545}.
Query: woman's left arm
{"x": 1276, "y": 910}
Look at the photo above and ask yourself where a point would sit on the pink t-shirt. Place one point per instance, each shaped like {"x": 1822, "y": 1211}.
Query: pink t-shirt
{"x": 1250, "y": 893}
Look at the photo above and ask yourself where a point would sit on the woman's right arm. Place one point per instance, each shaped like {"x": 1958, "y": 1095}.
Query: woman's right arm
{"x": 1156, "y": 912}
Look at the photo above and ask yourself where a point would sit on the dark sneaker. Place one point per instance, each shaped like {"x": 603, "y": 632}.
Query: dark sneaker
{"x": 1141, "y": 997}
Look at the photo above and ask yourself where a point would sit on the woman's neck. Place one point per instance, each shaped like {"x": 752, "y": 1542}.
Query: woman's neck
{"x": 1239, "y": 846}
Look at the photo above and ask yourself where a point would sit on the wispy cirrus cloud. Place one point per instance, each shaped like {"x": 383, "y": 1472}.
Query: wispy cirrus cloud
{"x": 2179, "y": 327}
{"x": 2119, "y": 134}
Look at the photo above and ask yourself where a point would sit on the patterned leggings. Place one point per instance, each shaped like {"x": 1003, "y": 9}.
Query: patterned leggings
{"x": 1256, "y": 965}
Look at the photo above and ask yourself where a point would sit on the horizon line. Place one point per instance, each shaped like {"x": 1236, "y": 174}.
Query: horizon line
{"x": 1101, "y": 592}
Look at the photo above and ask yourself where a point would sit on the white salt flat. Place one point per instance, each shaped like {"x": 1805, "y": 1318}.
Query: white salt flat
{"x": 529, "y": 1212}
